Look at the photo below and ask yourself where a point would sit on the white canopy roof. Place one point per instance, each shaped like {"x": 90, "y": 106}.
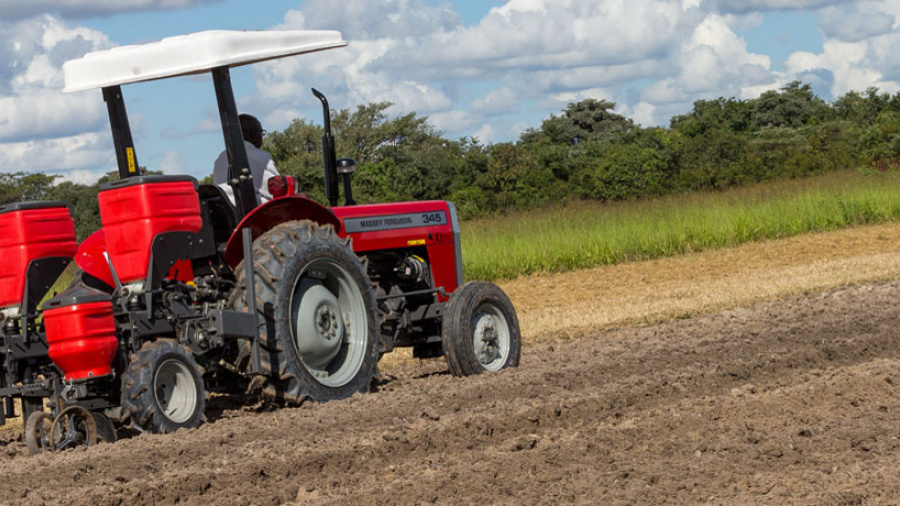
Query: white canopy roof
{"x": 190, "y": 54}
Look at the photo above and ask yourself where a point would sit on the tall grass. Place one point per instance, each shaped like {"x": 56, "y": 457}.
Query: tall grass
{"x": 587, "y": 234}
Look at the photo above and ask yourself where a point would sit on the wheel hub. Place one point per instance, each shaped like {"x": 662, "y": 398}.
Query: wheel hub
{"x": 175, "y": 390}
{"x": 326, "y": 322}
{"x": 487, "y": 348}
{"x": 319, "y": 327}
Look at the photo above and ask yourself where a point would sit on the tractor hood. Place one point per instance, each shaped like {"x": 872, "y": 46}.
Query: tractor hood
{"x": 190, "y": 54}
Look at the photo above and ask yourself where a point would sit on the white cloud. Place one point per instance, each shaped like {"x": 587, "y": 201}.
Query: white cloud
{"x": 373, "y": 20}
{"x": 456, "y": 120}
{"x": 172, "y": 163}
{"x": 499, "y": 101}
{"x": 853, "y": 23}
{"x": 538, "y": 50}
{"x": 851, "y": 64}
{"x": 40, "y": 127}
{"x": 81, "y": 176}
{"x": 525, "y": 49}
{"x": 712, "y": 62}
{"x": 524, "y": 60}
{"x": 77, "y": 152}
{"x": 47, "y": 113}
{"x": 644, "y": 113}
{"x": 484, "y": 134}
{"x": 19, "y": 9}
{"x": 742, "y": 6}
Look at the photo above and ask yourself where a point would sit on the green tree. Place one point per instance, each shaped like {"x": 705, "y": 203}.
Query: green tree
{"x": 587, "y": 120}
{"x": 795, "y": 106}
{"x": 711, "y": 115}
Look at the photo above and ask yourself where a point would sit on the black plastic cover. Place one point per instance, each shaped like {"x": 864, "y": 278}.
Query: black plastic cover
{"x": 38, "y": 204}
{"x": 138, "y": 180}
{"x": 74, "y": 296}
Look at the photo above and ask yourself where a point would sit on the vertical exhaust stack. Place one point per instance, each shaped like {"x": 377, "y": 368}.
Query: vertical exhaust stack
{"x": 328, "y": 156}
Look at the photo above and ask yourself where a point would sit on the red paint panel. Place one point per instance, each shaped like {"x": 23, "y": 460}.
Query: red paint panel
{"x": 82, "y": 339}
{"x": 276, "y": 211}
{"x": 28, "y": 235}
{"x": 90, "y": 257}
{"x": 438, "y": 238}
{"x": 133, "y": 215}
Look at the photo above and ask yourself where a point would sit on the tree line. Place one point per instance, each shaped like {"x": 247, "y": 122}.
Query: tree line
{"x": 587, "y": 151}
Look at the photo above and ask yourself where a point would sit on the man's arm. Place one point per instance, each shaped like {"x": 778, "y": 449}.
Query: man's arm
{"x": 269, "y": 172}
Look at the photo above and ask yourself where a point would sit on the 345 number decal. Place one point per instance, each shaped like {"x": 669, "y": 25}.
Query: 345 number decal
{"x": 433, "y": 218}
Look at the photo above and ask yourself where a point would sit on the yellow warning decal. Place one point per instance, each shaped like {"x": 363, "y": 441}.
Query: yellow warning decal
{"x": 415, "y": 242}
{"x": 129, "y": 153}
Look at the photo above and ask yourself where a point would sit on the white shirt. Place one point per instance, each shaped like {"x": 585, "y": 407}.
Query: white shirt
{"x": 261, "y": 166}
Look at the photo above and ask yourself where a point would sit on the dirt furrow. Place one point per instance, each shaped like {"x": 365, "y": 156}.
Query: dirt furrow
{"x": 786, "y": 401}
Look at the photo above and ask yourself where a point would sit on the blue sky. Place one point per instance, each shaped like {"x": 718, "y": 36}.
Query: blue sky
{"x": 488, "y": 68}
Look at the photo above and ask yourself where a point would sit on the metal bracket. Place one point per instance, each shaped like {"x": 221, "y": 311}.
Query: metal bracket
{"x": 247, "y": 238}
{"x": 439, "y": 290}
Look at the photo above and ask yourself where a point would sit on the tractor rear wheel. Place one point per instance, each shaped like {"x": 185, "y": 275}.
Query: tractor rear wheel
{"x": 318, "y": 338}
{"x": 480, "y": 331}
{"x": 163, "y": 388}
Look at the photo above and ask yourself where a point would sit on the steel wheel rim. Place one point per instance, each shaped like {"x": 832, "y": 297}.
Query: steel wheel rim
{"x": 45, "y": 427}
{"x": 490, "y": 337}
{"x": 175, "y": 390}
{"x": 41, "y": 425}
{"x": 329, "y": 322}
{"x": 73, "y": 426}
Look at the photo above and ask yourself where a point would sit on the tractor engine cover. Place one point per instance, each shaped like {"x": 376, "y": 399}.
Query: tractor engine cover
{"x": 81, "y": 333}
{"x": 135, "y": 210}
{"x": 30, "y": 231}
{"x": 432, "y": 225}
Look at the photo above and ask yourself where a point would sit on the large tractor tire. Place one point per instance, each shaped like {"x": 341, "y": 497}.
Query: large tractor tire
{"x": 318, "y": 333}
{"x": 163, "y": 388}
{"x": 480, "y": 331}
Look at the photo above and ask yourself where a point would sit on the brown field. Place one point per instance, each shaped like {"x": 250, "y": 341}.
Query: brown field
{"x": 763, "y": 374}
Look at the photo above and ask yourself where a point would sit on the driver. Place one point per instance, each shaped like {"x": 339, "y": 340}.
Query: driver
{"x": 262, "y": 167}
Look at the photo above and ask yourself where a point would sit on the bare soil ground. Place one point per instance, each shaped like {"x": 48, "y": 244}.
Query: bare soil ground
{"x": 789, "y": 401}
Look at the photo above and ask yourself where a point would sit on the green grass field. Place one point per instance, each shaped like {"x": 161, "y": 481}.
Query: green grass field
{"x": 587, "y": 234}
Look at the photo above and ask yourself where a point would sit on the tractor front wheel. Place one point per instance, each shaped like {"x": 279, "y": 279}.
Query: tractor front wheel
{"x": 163, "y": 388}
{"x": 480, "y": 331}
{"x": 318, "y": 334}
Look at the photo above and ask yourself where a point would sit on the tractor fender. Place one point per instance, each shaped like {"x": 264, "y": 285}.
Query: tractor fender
{"x": 265, "y": 217}
{"x": 90, "y": 256}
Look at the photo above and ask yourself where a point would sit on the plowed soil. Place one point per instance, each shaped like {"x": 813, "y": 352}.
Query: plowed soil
{"x": 793, "y": 401}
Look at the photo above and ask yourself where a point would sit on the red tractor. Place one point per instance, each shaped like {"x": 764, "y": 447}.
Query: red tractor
{"x": 181, "y": 292}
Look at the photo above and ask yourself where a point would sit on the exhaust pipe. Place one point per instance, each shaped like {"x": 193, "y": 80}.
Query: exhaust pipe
{"x": 328, "y": 156}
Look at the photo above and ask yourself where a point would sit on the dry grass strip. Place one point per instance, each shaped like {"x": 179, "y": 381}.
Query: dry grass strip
{"x": 574, "y": 304}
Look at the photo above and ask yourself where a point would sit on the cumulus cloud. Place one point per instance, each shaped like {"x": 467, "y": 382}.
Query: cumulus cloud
{"x": 80, "y": 176}
{"x": 744, "y": 6}
{"x": 48, "y": 113}
{"x": 712, "y": 62}
{"x": 544, "y": 52}
{"x": 529, "y": 49}
{"x": 40, "y": 127}
{"x": 855, "y": 23}
{"x": 499, "y": 101}
{"x": 372, "y": 20}
{"x": 523, "y": 59}
{"x": 172, "y": 163}
{"x": 853, "y": 65}
{"x": 84, "y": 152}
{"x": 18, "y": 9}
